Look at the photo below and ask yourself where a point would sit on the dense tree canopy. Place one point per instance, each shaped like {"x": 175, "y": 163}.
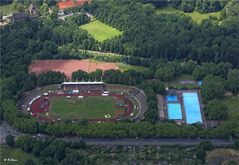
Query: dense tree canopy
{"x": 54, "y": 151}
{"x": 213, "y": 87}
{"x": 216, "y": 111}
{"x": 167, "y": 71}
{"x": 10, "y": 140}
{"x": 145, "y": 35}
{"x": 173, "y": 36}
{"x": 232, "y": 8}
{"x": 233, "y": 81}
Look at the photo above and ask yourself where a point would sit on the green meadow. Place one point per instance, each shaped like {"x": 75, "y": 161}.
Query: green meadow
{"x": 100, "y": 31}
{"x": 6, "y": 9}
{"x": 196, "y": 16}
{"x": 15, "y": 156}
{"x": 232, "y": 102}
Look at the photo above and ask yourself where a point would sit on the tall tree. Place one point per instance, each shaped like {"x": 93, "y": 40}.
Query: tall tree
{"x": 216, "y": 111}
{"x": 233, "y": 81}
{"x": 10, "y": 140}
{"x": 213, "y": 87}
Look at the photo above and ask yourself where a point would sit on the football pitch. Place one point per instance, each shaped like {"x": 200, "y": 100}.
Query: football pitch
{"x": 100, "y": 31}
{"x": 87, "y": 108}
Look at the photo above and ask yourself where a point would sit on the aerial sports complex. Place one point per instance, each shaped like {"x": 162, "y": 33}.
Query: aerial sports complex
{"x": 97, "y": 101}
{"x": 100, "y": 102}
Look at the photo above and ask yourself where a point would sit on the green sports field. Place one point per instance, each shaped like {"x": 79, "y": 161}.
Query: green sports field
{"x": 100, "y": 31}
{"x": 87, "y": 108}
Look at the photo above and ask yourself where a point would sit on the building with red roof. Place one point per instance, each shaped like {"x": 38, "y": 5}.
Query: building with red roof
{"x": 64, "y": 4}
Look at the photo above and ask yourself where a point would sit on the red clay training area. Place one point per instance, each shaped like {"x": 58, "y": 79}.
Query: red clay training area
{"x": 69, "y": 66}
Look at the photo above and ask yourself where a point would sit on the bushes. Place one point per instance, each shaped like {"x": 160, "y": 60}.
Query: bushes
{"x": 183, "y": 87}
{"x": 50, "y": 78}
{"x": 216, "y": 111}
{"x": 167, "y": 71}
{"x": 130, "y": 77}
{"x": 206, "y": 145}
{"x": 10, "y": 140}
{"x": 151, "y": 88}
{"x": 200, "y": 154}
{"x": 142, "y": 129}
{"x": 48, "y": 149}
{"x": 23, "y": 123}
{"x": 213, "y": 87}
{"x": 232, "y": 82}
{"x": 201, "y": 150}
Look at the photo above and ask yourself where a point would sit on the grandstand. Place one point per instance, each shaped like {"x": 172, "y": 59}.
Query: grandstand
{"x": 83, "y": 86}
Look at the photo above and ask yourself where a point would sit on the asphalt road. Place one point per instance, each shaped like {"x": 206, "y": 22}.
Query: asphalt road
{"x": 6, "y": 129}
{"x": 154, "y": 142}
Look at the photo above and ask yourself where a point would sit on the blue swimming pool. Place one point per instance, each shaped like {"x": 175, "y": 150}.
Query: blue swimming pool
{"x": 192, "y": 107}
{"x": 171, "y": 98}
{"x": 174, "y": 111}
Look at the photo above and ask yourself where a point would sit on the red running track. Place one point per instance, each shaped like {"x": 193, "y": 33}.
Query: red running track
{"x": 41, "y": 105}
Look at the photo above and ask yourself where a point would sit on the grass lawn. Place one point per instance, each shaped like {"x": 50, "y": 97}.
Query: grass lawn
{"x": 176, "y": 81}
{"x": 6, "y": 9}
{"x": 232, "y": 102}
{"x": 183, "y": 77}
{"x": 100, "y": 31}
{"x": 88, "y": 107}
{"x": 196, "y": 16}
{"x": 125, "y": 67}
{"x": 118, "y": 88}
{"x": 16, "y": 154}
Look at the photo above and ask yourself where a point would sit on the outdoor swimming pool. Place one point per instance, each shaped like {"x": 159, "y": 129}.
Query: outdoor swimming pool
{"x": 172, "y": 98}
{"x": 174, "y": 111}
{"x": 192, "y": 107}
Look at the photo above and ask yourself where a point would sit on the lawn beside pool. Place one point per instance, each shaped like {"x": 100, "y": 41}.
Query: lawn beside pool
{"x": 100, "y": 31}
{"x": 232, "y": 102}
{"x": 88, "y": 107}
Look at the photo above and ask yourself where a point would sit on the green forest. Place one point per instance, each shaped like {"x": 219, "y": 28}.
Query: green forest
{"x": 172, "y": 36}
{"x": 169, "y": 45}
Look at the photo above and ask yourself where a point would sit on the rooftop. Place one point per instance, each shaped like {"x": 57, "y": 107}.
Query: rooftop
{"x": 84, "y": 83}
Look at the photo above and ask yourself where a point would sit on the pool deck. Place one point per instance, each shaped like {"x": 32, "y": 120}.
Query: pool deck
{"x": 201, "y": 108}
{"x": 179, "y": 94}
{"x": 161, "y": 107}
